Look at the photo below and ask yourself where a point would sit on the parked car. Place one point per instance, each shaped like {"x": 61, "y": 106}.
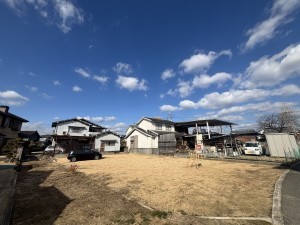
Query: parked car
{"x": 50, "y": 149}
{"x": 253, "y": 148}
{"x": 85, "y": 154}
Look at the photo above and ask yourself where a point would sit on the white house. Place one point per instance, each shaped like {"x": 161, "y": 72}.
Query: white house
{"x": 78, "y": 133}
{"x": 151, "y": 136}
{"x": 107, "y": 142}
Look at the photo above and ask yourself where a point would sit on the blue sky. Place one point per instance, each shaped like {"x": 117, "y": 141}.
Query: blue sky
{"x": 116, "y": 61}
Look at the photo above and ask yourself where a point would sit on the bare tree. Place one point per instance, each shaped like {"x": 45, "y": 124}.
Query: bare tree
{"x": 284, "y": 121}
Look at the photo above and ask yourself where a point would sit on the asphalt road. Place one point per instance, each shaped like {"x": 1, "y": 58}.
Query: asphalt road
{"x": 7, "y": 175}
{"x": 290, "y": 203}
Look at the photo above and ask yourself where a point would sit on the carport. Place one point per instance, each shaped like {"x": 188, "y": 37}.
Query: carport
{"x": 213, "y": 134}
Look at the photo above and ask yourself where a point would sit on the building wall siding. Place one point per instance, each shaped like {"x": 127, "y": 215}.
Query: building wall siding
{"x": 104, "y": 138}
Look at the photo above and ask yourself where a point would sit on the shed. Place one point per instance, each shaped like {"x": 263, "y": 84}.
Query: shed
{"x": 282, "y": 144}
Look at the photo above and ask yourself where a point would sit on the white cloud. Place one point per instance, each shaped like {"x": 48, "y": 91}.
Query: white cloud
{"x": 232, "y": 118}
{"x": 161, "y": 96}
{"x": 31, "y": 74}
{"x": 41, "y": 127}
{"x": 82, "y": 72}
{"x": 118, "y": 127}
{"x": 290, "y": 89}
{"x": 186, "y": 88}
{"x": 253, "y": 108}
{"x": 77, "y": 88}
{"x": 56, "y": 83}
{"x": 64, "y": 11}
{"x": 167, "y": 74}
{"x": 168, "y": 108}
{"x": 102, "y": 79}
{"x": 204, "y": 81}
{"x": 30, "y": 88}
{"x": 100, "y": 119}
{"x": 280, "y": 14}
{"x": 12, "y": 98}
{"x": 122, "y": 68}
{"x": 172, "y": 92}
{"x": 201, "y": 62}
{"x": 216, "y": 100}
{"x": 131, "y": 83}
{"x": 16, "y": 5}
{"x": 187, "y": 104}
{"x": 46, "y": 96}
{"x": 270, "y": 71}
{"x": 69, "y": 14}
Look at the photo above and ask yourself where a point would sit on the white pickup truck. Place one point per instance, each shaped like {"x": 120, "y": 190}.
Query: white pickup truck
{"x": 253, "y": 148}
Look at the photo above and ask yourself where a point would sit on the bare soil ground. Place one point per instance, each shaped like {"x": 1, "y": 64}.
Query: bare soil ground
{"x": 142, "y": 189}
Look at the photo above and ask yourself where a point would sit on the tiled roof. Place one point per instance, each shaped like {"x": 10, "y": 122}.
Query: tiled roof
{"x": 84, "y": 121}
{"x": 10, "y": 115}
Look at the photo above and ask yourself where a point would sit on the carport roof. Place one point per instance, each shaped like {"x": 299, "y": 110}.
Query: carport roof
{"x": 211, "y": 122}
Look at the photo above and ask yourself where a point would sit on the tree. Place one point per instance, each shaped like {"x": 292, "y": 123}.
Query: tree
{"x": 11, "y": 147}
{"x": 284, "y": 121}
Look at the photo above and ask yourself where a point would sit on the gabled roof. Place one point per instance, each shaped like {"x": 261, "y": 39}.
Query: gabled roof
{"x": 84, "y": 121}
{"x": 155, "y": 120}
{"x": 107, "y": 132}
{"x": 136, "y": 128}
{"x": 27, "y": 133}
{"x": 10, "y": 115}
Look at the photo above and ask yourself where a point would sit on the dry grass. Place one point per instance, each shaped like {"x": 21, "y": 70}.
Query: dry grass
{"x": 166, "y": 183}
{"x": 108, "y": 191}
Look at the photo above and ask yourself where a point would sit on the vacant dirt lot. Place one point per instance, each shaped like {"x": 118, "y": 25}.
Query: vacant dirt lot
{"x": 114, "y": 190}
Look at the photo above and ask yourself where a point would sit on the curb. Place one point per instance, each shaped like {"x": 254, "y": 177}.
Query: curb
{"x": 295, "y": 165}
{"x": 9, "y": 207}
{"x": 277, "y": 217}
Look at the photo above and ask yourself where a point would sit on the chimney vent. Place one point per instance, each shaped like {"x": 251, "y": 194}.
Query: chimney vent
{"x": 4, "y": 108}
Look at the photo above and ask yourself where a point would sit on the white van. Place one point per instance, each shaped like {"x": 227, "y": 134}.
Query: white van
{"x": 253, "y": 148}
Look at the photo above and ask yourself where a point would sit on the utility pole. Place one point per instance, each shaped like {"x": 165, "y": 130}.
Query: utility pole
{"x": 170, "y": 116}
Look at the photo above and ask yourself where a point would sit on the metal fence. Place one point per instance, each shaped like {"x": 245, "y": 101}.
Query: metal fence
{"x": 291, "y": 155}
{"x": 167, "y": 144}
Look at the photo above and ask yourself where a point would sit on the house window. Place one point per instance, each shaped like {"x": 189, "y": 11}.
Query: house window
{"x": 15, "y": 125}
{"x": 158, "y": 126}
{"x": 76, "y": 129}
{"x": 109, "y": 143}
{"x": 168, "y": 127}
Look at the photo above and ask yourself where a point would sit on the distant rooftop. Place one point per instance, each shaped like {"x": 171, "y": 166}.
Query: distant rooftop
{"x": 202, "y": 123}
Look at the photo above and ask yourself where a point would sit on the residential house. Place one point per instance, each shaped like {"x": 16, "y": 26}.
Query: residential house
{"x": 78, "y": 133}
{"x": 151, "y": 136}
{"x": 29, "y": 135}
{"x": 159, "y": 136}
{"x": 245, "y": 135}
{"x": 107, "y": 142}
{"x": 10, "y": 125}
